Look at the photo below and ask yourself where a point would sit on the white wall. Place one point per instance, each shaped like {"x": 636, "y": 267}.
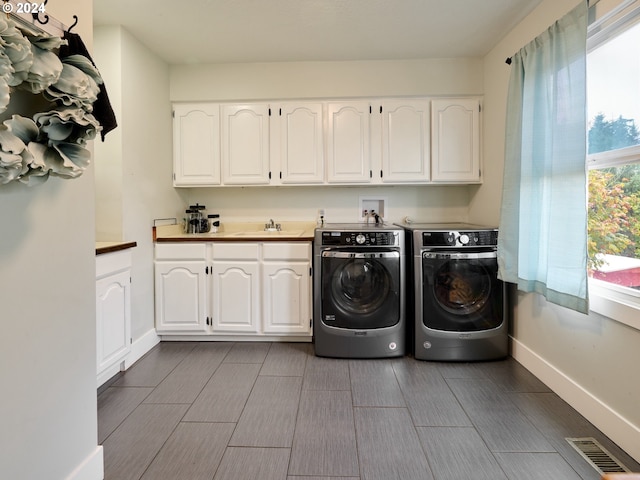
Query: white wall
{"x": 135, "y": 161}
{"x": 47, "y": 297}
{"x": 591, "y": 361}
{"x": 304, "y": 80}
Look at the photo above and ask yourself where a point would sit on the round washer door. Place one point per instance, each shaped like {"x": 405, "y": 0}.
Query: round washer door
{"x": 360, "y": 291}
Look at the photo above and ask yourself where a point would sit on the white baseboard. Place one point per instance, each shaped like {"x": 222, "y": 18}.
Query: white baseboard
{"x": 141, "y": 346}
{"x": 625, "y": 434}
{"x": 92, "y": 468}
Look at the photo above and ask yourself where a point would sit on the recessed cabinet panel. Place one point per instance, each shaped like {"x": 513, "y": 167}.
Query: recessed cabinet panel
{"x": 196, "y": 143}
{"x": 236, "y": 297}
{"x": 286, "y": 287}
{"x": 301, "y": 143}
{"x": 456, "y": 140}
{"x": 405, "y": 141}
{"x": 245, "y": 144}
{"x": 181, "y": 292}
{"x": 348, "y": 142}
{"x": 113, "y": 319}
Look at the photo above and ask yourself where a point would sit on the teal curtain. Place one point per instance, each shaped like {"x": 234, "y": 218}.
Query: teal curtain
{"x": 542, "y": 245}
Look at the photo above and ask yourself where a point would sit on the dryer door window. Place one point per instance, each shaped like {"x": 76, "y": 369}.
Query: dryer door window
{"x": 462, "y": 289}
{"x": 461, "y": 293}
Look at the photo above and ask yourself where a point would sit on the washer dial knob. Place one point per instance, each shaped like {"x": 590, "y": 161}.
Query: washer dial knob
{"x": 464, "y": 239}
{"x": 360, "y": 239}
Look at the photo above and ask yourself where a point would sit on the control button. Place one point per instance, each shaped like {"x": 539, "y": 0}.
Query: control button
{"x": 393, "y": 346}
{"x": 464, "y": 239}
{"x": 360, "y": 239}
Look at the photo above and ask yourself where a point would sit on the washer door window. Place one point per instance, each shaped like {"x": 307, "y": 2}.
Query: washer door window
{"x": 461, "y": 291}
{"x": 360, "y": 290}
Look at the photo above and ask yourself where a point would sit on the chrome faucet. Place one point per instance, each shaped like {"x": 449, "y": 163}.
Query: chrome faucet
{"x": 271, "y": 226}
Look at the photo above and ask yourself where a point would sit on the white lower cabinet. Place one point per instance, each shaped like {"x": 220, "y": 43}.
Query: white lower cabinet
{"x": 181, "y": 287}
{"x": 113, "y": 312}
{"x": 234, "y": 289}
{"x": 235, "y": 285}
{"x": 286, "y": 288}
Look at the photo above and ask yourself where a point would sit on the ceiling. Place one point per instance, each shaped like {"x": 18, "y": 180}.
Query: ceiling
{"x": 232, "y": 31}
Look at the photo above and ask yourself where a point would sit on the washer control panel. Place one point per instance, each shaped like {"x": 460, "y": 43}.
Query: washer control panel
{"x": 360, "y": 239}
{"x": 481, "y": 238}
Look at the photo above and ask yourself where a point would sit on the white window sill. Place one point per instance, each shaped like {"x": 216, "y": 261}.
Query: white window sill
{"x": 615, "y": 303}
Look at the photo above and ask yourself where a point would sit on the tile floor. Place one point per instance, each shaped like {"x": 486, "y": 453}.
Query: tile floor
{"x": 244, "y": 411}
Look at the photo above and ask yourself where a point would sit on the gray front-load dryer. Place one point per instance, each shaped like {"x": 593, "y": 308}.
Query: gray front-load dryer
{"x": 359, "y": 296}
{"x": 458, "y": 304}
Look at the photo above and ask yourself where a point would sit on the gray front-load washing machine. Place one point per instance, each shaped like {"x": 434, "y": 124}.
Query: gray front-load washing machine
{"x": 358, "y": 288}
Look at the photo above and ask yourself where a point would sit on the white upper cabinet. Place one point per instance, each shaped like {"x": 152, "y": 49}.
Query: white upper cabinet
{"x": 455, "y": 137}
{"x": 405, "y": 141}
{"x": 196, "y": 144}
{"x": 245, "y": 144}
{"x": 297, "y": 143}
{"x": 414, "y": 140}
{"x": 348, "y": 142}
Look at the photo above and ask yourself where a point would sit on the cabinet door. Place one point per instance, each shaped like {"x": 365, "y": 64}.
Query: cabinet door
{"x": 113, "y": 317}
{"x": 456, "y": 140}
{"x": 245, "y": 144}
{"x": 348, "y": 142}
{"x": 196, "y": 144}
{"x": 405, "y": 141}
{"x": 181, "y": 293}
{"x": 287, "y": 298}
{"x": 301, "y": 150}
{"x": 236, "y": 296}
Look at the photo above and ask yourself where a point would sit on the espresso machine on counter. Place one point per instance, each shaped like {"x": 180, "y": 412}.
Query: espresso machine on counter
{"x": 197, "y": 222}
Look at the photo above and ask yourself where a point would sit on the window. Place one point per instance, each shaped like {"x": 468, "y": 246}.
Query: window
{"x": 613, "y": 91}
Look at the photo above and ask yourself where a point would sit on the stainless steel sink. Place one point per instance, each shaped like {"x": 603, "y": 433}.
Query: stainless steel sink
{"x": 269, "y": 233}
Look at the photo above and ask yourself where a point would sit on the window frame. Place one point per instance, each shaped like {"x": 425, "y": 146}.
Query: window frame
{"x": 608, "y": 18}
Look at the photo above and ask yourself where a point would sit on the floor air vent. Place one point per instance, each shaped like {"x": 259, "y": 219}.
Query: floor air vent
{"x": 597, "y": 455}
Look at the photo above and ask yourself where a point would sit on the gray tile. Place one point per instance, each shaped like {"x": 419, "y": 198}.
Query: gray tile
{"x": 269, "y": 417}
{"x": 115, "y": 404}
{"x": 326, "y": 374}
{"x": 458, "y": 453}
{"x": 192, "y": 452}
{"x": 429, "y": 399}
{"x": 132, "y": 446}
{"x": 374, "y": 384}
{"x": 388, "y": 445}
{"x": 535, "y": 466}
{"x": 253, "y": 464}
{"x": 151, "y": 369}
{"x": 247, "y": 352}
{"x": 186, "y": 381}
{"x": 225, "y": 395}
{"x": 322, "y": 478}
{"x": 324, "y": 442}
{"x": 511, "y": 376}
{"x": 286, "y": 359}
{"x": 500, "y": 423}
{"x": 557, "y": 420}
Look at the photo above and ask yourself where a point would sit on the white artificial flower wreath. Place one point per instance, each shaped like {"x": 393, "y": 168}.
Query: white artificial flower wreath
{"x": 51, "y": 142}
